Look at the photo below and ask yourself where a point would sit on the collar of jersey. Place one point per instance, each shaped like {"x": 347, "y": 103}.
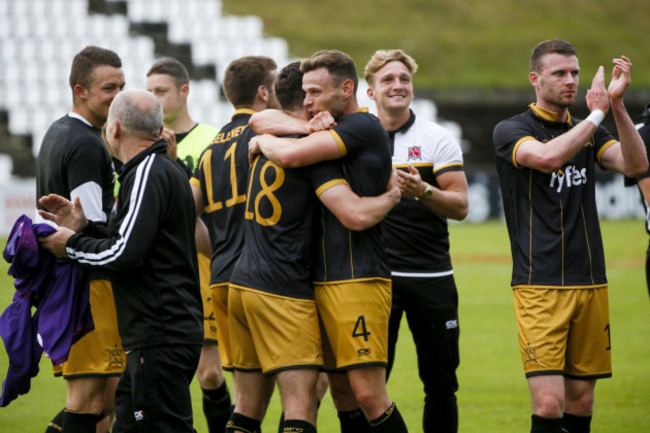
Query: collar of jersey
{"x": 548, "y": 115}
{"x": 243, "y": 111}
{"x": 406, "y": 126}
{"x": 362, "y": 110}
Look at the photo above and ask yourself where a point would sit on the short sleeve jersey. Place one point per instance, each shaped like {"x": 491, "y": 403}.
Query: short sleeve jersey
{"x": 280, "y": 207}
{"x": 343, "y": 254}
{"x": 417, "y": 239}
{"x": 73, "y": 153}
{"x": 222, "y": 178}
{"x": 552, "y": 218}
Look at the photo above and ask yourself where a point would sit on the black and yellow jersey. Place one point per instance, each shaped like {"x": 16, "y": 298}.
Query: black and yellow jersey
{"x": 343, "y": 254}
{"x": 552, "y": 218}
{"x": 280, "y": 207}
{"x": 221, "y": 176}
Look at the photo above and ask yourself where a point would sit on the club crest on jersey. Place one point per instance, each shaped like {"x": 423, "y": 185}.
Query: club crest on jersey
{"x": 415, "y": 152}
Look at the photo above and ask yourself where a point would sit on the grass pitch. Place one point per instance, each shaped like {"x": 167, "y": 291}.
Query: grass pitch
{"x": 493, "y": 395}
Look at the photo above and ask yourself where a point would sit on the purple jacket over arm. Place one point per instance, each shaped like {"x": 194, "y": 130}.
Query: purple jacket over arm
{"x": 59, "y": 289}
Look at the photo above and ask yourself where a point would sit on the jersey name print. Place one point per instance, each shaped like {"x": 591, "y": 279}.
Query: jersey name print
{"x": 221, "y": 176}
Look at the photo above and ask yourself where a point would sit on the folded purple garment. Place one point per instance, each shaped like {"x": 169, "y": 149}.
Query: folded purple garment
{"x": 59, "y": 289}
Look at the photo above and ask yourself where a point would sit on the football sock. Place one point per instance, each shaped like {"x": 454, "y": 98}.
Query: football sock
{"x": 297, "y": 426}
{"x": 282, "y": 418}
{"x": 389, "y": 422}
{"x": 216, "y": 408}
{"x": 576, "y": 424}
{"x": 75, "y": 422}
{"x": 353, "y": 421}
{"x": 545, "y": 425}
{"x": 56, "y": 425}
{"x": 440, "y": 415}
{"x": 238, "y": 421}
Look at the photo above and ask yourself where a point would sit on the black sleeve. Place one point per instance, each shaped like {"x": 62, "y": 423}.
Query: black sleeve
{"x": 137, "y": 220}
{"x": 185, "y": 167}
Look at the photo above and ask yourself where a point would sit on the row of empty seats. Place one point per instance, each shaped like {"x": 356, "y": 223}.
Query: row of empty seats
{"x": 38, "y": 39}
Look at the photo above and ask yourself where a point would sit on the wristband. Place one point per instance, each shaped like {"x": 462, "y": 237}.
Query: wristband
{"x": 596, "y": 117}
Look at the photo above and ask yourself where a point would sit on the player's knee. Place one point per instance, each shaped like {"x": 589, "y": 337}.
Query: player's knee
{"x": 210, "y": 377}
{"x": 371, "y": 403}
{"x": 580, "y": 405}
{"x": 549, "y": 406}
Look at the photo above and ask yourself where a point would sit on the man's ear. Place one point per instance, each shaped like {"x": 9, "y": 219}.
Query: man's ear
{"x": 371, "y": 93}
{"x": 117, "y": 129}
{"x": 185, "y": 90}
{"x": 532, "y": 77}
{"x": 348, "y": 88}
{"x": 80, "y": 91}
{"x": 263, "y": 93}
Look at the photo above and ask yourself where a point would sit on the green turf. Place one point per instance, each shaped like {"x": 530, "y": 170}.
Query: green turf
{"x": 493, "y": 396}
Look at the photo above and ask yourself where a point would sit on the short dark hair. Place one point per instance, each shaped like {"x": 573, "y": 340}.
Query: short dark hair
{"x": 340, "y": 66}
{"x": 557, "y": 46}
{"x": 173, "y": 68}
{"x": 288, "y": 87}
{"x": 244, "y": 76}
{"x": 85, "y": 62}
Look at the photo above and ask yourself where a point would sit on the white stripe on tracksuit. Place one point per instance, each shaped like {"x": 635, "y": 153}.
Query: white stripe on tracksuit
{"x": 135, "y": 201}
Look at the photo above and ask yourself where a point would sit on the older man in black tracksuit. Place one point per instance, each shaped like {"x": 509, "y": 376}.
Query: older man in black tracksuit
{"x": 149, "y": 249}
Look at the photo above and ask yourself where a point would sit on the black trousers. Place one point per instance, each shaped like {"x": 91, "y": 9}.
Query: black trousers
{"x": 431, "y": 308}
{"x": 153, "y": 394}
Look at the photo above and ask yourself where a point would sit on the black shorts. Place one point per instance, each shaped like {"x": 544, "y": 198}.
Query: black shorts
{"x": 154, "y": 391}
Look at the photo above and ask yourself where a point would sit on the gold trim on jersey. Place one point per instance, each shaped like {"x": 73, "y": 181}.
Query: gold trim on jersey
{"x": 244, "y": 111}
{"x": 339, "y": 142}
{"x": 352, "y": 280}
{"x": 549, "y": 115}
{"x": 458, "y": 164}
{"x": 584, "y": 225}
{"x": 415, "y": 164}
{"x": 517, "y": 144}
{"x": 363, "y": 110}
{"x": 602, "y": 150}
{"x": 327, "y": 185}
{"x": 541, "y": 286}
{"x": 530, "y": 225}
{"x": 562, "y": 236}
{"x": 194, "y": 181}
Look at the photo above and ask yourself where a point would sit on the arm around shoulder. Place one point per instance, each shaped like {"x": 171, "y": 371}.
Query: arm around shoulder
{"x": 358, "y": 213}
{"x": 277, "y": 122}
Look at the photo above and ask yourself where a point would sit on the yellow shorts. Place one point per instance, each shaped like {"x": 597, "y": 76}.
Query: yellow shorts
{"x": 209, "y": 320}
{"x": 272, "y": 332}
{"x": 354, "y": 318}
{"x": 100, "y": 352}
{"x": 564, "y": 331}
{"x": 219, "y": 293}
